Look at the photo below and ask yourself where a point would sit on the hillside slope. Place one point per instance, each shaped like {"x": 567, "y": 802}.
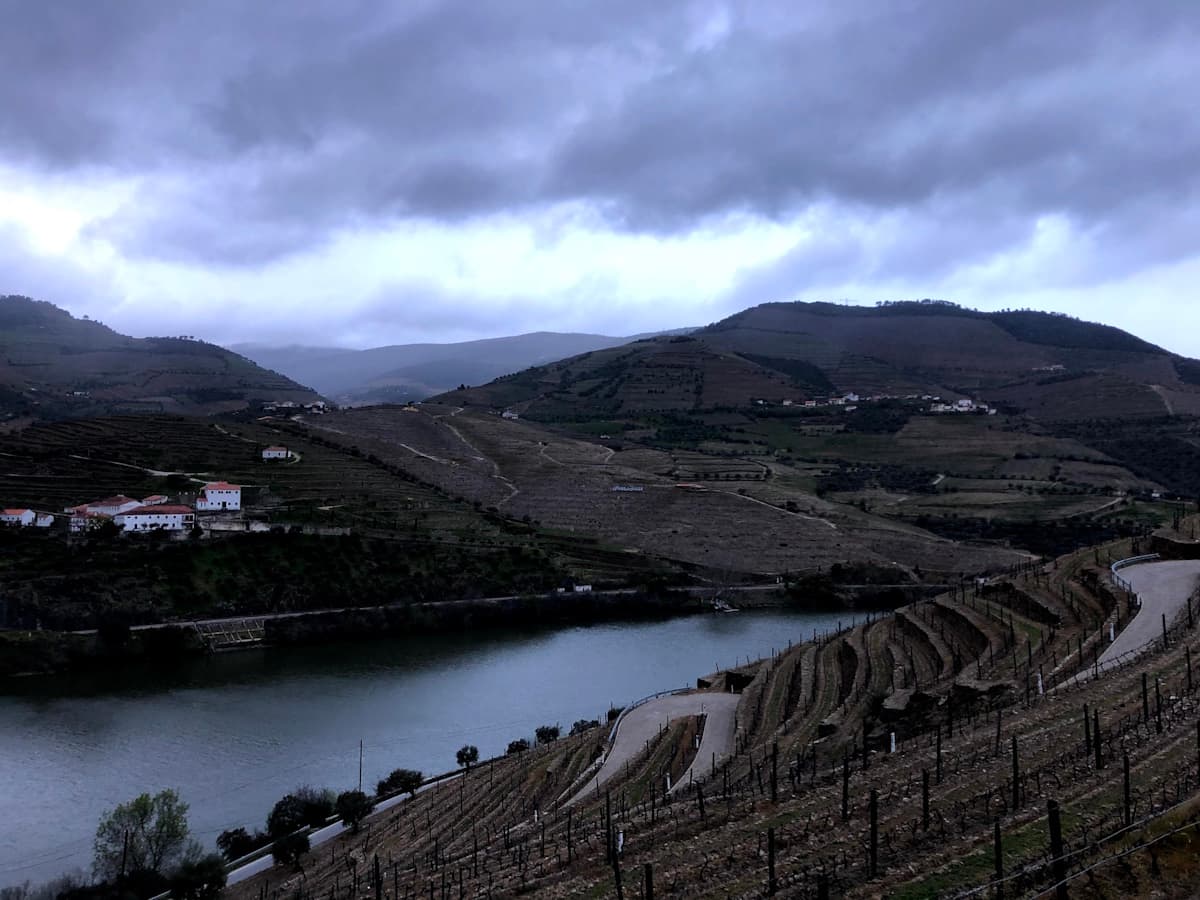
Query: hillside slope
{"x": 1048, "y": 366}
{"x": 54, "y": 365}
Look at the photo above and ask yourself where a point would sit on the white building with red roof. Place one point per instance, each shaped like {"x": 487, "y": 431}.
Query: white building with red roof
{"x": 111, "y": 506}
{"x": 218, "y": 496}
{"x": 22, "y": 518}
{"x": 156, "y": 517}
{"x": 276, "y": 453}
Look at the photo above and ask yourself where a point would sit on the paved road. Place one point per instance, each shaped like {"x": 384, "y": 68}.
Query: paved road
{"x": 1164, "y": 588}
{"x": 644, "y": 722}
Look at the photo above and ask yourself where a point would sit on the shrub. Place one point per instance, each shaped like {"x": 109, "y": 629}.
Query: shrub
{"x": 520, "y": 745}
{"x": 547, "y": 734}
{"x": 201, "y": 879}
{"x": 583, "y": 725}
{"x": 353, "y": 807}
{"x": 303, "y": 807}
{"x": 237, "y": 842}
{"x": 405, "y": 780}
{"x": 467, "y": 755}
{"x": 290, "y": 848}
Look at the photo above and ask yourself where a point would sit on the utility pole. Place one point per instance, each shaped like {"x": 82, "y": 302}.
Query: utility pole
{"x": 360, "y": 758}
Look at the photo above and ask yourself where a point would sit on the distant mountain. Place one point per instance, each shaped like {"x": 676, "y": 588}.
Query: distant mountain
{"x": 1051, "y": 367}
{"x": 54, "y": 365}
{"x": 416, "y": 371}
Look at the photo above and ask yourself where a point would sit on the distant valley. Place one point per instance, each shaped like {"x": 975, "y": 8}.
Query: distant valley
{"x": 403, "y": 372}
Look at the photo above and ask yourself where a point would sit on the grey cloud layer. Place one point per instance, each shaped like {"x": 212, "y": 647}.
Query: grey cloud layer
{"x": 294, "y": 120}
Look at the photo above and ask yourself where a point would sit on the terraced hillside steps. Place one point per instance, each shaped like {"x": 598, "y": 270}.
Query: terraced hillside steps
{"x": 811, "y": 795}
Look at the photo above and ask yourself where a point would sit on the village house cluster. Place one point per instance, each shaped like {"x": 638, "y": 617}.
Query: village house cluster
{"x": 291, "y": 406}
{"x": 154, "y": 513}
{"x": 849, "y": 402}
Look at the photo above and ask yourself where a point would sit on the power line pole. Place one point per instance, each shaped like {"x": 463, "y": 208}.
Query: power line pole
{"x": 360, "y": 757}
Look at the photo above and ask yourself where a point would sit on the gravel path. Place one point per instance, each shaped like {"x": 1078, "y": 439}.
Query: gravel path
{"x": 644, "y": 722}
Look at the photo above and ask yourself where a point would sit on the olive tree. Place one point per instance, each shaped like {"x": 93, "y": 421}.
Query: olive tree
{"x": 353, "y": 807}
{"x": 403, "y": 780}
{"x": 467, "y": 756}
{"x": 147, "y": 833}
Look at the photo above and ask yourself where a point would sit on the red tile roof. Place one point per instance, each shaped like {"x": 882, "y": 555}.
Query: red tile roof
{"x": 159, "y": 510}
{"x": 112, "y": 501}
{"x": 222, "y": 486}
{"x": 16, "y": 512}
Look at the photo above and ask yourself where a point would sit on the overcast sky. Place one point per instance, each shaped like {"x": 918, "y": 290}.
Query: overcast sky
{"x": 358, "y": 173}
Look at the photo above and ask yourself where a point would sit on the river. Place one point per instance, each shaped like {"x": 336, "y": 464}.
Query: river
{"x": 234, "y": 732}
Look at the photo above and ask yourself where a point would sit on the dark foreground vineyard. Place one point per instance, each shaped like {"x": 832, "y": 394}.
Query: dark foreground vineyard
{"x": 987, "y": 770}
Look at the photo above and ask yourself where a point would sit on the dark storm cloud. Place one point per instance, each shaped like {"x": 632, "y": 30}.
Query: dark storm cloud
{"x": 263, "y": 128}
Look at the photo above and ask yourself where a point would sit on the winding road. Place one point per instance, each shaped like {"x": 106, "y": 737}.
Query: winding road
{"x": 642, "y": 724}
{"x": 1164, "y": 589}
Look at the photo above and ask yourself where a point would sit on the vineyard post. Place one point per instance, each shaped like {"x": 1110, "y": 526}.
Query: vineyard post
{"x": 700, "y": 800}
{"x": 1158, "y": 705}
{"x": 1188, "y": 653}
{"x": 874, "y": 857}
{"x": 1096, "y": 738}
{"x": 1056, "y": 849}
{"x": 997, "y": 849}
{"x": 822, "y": 886}
{"x": 846, "y": 781}
{"x": 996, "y": 750}
{"x": 648, "y": 876}
{"x": 775, "y": 772}
{"x": 609, "y": 853}
{"x": 939, "y": 756}
{"x": 1016, "y": 775}
{"x": 925, "y": 799}
{"x": 1145, "y": 701}
{"x": 1128, "y": 803}
{"x": 771, "y": 883}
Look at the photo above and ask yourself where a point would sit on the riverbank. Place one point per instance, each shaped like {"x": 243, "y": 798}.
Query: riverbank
{"x": 234, "y": 732}
{"x": 29, "y": 653}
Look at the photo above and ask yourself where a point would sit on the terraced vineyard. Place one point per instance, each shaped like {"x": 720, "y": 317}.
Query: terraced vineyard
{"x": 979, "y": 750}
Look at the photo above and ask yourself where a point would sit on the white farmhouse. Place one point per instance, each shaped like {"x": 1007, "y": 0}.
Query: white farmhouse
{"x": 218, "y": 496}
{"x": 155, "y": 500}
{"x": 276, "y": 453}
{"x": 44, "y": 520}
{"x": 22, "y": 518}
{"x": 159, "y": 517}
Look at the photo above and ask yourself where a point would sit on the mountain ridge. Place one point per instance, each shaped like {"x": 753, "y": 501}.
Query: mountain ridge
{"x": 400, "y": 372}
{"x": 1016, "y": 359}
{"x": 54, "y": 365}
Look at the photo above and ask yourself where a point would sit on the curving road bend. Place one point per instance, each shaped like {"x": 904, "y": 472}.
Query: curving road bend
{"x": 643, "y": 723}
{"x": 1164, "y": 589}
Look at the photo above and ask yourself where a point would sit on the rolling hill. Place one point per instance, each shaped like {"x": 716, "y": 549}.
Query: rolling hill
{"x": 403, "y": 372}
{"x": 53, "y": 365}
{"x": 1047, "y": 366}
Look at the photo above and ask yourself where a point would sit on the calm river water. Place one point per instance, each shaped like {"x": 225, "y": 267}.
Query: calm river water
{"x": 235, "y": 732}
